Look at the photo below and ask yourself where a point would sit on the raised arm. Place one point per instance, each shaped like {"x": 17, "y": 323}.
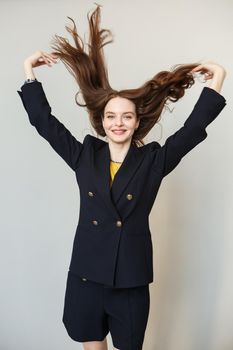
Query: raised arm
{"x": 39, "y": 112}
{"x": 206, "y": 109}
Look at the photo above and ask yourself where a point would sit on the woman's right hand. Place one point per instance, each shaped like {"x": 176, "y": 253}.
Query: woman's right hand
{"x": 40, "y": 58}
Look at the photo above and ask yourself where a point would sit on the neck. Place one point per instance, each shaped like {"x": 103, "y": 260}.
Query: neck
{"x": 118, "y": 151}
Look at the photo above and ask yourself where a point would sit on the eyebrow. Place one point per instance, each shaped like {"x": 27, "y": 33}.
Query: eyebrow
{"x": 123, "y": 113}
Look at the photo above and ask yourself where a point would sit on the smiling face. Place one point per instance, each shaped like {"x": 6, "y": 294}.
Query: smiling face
{"x": 120, "y": 119}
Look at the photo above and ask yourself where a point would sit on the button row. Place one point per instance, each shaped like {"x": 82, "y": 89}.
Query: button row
{"x": 118, "y": 223}
{"x": 129, "y": 196}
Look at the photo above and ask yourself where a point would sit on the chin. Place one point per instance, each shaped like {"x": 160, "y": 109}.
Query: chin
{"x": 126, "y": 140}
{"x": 119, "y": 138}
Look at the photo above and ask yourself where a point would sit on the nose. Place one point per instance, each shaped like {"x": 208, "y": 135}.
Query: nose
{"x": 119, "y": 121}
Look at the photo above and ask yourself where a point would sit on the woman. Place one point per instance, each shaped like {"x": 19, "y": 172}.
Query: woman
{"x": 112, "y": 259}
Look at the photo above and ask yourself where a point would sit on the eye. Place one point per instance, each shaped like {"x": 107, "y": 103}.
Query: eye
{"x": 110, "y": 116}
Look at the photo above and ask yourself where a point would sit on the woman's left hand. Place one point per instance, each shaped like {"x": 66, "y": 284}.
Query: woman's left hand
{"x": 210, "y": 69}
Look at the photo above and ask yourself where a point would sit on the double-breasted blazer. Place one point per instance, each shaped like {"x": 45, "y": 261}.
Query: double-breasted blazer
{"x": 112, "y": 243}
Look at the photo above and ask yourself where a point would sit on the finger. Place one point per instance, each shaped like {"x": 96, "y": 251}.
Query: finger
{"x": 208, "y": 76}
{"x": 52, "y": 59}
{"x": 54, "y": 54}
{"x": 46, "y": 60}
{"x": 197, "y": 68}
{"x": 51, "y": 56}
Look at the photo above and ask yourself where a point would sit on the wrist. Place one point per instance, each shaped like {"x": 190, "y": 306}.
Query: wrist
{"x": 217, "y": 81}
{"x": 27, "y": 64}
{"x": 219, "y": 74}
{"x": 29, "y": 74}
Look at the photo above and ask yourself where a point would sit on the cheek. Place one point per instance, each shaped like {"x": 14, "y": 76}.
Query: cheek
{"x": 132, "y": 125}
{"x": 106, "y": 124}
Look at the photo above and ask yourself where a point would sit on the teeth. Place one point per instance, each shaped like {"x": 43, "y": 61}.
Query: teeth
{"x": 118, "y": 132}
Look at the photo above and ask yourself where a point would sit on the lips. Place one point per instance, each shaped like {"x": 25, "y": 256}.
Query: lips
{"x": 118, "y": 131}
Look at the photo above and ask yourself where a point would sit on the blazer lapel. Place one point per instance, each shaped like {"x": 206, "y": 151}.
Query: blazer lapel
{"x": 111, "y": 195}
{"x": 126, "y": 171}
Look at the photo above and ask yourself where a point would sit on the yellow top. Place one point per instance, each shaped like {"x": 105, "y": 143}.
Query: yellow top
{"x": 114, "y": 166}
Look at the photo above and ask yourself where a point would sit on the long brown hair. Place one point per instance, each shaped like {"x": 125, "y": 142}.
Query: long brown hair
{"x": 90, "y": 71}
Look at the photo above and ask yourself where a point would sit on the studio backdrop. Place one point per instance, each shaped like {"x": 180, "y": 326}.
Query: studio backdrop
{"x": 191, "y": 221}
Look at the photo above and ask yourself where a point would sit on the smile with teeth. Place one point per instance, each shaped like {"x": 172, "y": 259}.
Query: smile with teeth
{"x": 118, "y": 132}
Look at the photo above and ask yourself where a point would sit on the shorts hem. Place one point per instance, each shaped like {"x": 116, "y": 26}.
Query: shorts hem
{"x": 68, "y": 328}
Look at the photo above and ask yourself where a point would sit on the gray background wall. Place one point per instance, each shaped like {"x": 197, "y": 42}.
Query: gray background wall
{"x": 191, "y": 221}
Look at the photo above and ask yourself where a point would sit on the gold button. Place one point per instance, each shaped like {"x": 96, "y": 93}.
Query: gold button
{"x": 95, "y": 222}
{"x": 118, "y": 223}
{"x": 129, "y": 196}
{"x": 90, "y": 194}
{"x": 84, "y": 279}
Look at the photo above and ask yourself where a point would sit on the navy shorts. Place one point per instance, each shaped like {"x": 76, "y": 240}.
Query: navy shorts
{"x": 92, "y": 310}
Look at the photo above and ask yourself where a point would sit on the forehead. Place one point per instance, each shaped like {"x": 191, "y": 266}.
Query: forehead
{"x": 119, "y": 104}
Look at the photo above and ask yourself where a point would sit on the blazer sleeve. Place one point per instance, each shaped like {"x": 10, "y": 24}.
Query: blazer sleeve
{"x": 176, "y": 146}
{"x": 47, "y": 125}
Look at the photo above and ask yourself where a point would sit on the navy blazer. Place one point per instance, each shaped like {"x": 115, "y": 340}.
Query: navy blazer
{"x": 112, "y": 243}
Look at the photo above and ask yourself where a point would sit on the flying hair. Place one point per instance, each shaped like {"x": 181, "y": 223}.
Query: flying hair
{"x": 90, "y": 72}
